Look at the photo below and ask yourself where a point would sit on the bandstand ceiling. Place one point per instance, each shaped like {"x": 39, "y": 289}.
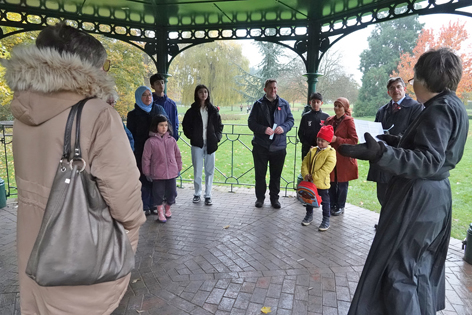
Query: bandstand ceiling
{"x": 232, "y": 18}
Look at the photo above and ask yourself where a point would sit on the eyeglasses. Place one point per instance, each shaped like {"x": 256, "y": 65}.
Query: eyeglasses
{"x": 147, "y": 95}
{"x": 411, "y": 81}
{"x": 107, "y": 65}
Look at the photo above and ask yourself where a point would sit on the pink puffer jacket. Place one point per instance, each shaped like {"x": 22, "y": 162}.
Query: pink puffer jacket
{"x": 161, "y": 157}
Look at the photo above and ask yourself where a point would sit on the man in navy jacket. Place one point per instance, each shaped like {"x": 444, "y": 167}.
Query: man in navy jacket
{"x": 158, "y": 84}
{"x": 396, "y": 116}
{"x": 270, "y": 120}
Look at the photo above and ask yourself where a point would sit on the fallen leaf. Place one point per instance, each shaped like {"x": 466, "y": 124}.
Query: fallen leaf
{"x": 226, "y": 227}
{"x": 265, "y": 310}
{"x": 135, "y": 280}
{"x": 361, "y": 203}
{"x": 139, "y": 312}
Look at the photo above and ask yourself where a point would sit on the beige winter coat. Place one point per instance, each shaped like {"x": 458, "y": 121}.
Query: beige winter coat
{"x": 46, "y": 85}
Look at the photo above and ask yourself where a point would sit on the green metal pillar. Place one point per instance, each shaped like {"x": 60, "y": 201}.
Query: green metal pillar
{"x": 312, "y": 60}
{"x": 162, "y": 54}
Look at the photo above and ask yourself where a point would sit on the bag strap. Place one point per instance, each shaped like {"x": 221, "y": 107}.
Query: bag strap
{"x": 77, "y": 150}
{"x": 66, "y": 151}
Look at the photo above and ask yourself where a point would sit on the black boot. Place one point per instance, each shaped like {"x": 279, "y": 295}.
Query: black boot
{"x": 338, "y": 212}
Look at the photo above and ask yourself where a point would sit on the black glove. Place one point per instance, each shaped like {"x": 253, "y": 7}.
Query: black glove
{"x": 391, "y": 140}
{"x": 370, "y": 150}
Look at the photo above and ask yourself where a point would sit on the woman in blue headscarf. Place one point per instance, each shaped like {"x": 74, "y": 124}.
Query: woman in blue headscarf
{"x": 138, "y": 122}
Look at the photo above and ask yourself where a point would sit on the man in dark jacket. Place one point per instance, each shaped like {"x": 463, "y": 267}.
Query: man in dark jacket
{"x": 311, "y": 123}
{"x": 270, "y": 120}
{"x": 396, "y": 116}
{"x": 159, "y": 98}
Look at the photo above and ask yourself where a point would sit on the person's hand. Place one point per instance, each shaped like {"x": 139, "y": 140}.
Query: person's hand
{"x": 371, "y": 150}
{"x": 149, "y": 178}
{"x": 391, "y": 140}
{"x": 308, "y": 177}
{"x": 334, "y": 139}
{"x": 269, "y": 131}
{"x": 279, "y": 130}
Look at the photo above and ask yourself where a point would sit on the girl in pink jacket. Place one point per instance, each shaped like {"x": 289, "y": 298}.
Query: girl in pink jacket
{"x": 161, "y": 165}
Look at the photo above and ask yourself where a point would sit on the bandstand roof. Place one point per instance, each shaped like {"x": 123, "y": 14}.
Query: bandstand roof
{"x": 232, "y": 19}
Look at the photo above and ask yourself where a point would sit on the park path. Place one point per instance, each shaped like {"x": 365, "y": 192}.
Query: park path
{"x": 233, "y": 258}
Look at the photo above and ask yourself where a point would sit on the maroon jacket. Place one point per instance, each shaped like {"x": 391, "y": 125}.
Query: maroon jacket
{"x": 161, "y": 157}
{"x": 345, "y": 133}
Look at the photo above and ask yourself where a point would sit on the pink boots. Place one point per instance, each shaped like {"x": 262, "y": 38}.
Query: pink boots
{"x": 160, "y": 213}
{"x": 168, "y": 213}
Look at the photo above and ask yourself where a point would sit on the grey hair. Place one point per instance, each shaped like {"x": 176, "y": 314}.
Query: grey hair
{"x": 393, "y": 80}
{"x": 439, "y": 70}
{"x": 66, "y": 39}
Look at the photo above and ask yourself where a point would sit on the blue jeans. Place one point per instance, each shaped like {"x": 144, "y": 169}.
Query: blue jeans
{"x": 200, "y": 160}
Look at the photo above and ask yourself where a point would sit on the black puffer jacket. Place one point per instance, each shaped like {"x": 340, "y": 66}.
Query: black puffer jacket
{"x": 193, "y": 127}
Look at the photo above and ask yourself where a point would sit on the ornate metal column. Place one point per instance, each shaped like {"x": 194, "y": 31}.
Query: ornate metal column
{"x": 313, "y": 56}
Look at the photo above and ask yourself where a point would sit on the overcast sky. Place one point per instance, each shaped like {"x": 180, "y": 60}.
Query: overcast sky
{"x": 352, "y": 45}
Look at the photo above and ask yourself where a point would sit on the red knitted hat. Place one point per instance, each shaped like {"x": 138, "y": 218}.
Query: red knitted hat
{"x": 326, "y": 133}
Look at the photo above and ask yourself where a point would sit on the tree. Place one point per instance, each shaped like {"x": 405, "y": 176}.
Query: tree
{"x": 271, "y": 67}
{"x": 453, "y": 36}
{"x": 386, "y": 43}
{"x": 6, "y": 45}
{"x": 216, "y": 65}
{"x": 292, "y": 85}
{"x": 130, "y": 67}
{"x": 334, "y": 82}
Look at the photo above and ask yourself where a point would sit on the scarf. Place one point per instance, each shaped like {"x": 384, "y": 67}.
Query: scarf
{"x": 138, "y": 94}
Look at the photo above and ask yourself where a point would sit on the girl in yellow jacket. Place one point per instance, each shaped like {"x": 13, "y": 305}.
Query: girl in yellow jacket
{"x": 317, "y": 165}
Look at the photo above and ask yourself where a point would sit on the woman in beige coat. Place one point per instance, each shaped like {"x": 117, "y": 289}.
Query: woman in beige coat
{"x": 65, "y": 66}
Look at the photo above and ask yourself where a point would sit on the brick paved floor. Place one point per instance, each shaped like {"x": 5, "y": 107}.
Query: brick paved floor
{"x": 194, "y": 265}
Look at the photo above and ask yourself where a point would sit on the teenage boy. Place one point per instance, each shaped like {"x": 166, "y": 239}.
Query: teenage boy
{"x": 311, "y": 123}
{"x": 158, "y": 85}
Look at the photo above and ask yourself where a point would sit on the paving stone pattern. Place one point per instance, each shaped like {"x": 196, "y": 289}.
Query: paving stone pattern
{"x": 233, "y": 258}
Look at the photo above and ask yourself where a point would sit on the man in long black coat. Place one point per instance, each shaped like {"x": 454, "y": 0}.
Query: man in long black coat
{"x": 395, "y": 117}
{"x": 404, "y": 271}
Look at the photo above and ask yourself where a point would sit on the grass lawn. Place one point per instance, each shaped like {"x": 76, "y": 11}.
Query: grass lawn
{"x": 361, "y": 192}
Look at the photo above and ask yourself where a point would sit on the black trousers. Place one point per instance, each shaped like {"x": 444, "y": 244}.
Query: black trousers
{"x": 146, "y": 193}
{"x": 276, "y": 160}
{"x": 164, "y": 187}
{"x": 338, "y": 194}
{"x": 324, "y": 194}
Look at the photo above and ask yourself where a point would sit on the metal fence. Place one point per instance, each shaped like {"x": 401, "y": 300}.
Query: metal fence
{"x": 235, "y": 145}
{"x": 7, "y": 171}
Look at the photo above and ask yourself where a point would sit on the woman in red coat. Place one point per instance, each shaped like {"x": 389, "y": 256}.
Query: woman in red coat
{"x": 346, "y": 167}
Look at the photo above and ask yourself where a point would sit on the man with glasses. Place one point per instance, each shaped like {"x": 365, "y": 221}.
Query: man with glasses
{"x": 395, "y": 117}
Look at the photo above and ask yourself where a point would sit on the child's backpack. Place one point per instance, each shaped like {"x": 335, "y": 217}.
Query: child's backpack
{"x": 308, "y": 194}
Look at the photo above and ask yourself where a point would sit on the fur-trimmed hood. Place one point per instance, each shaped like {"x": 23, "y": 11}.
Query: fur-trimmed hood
{"x": 48, "y": 77}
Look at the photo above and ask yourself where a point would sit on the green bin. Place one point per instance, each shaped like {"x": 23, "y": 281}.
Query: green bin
{"x": 3, "y": 194}
{"x": 467, "y": 245}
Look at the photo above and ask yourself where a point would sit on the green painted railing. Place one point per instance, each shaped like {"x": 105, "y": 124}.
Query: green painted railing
{"x": 233, "y": 167}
